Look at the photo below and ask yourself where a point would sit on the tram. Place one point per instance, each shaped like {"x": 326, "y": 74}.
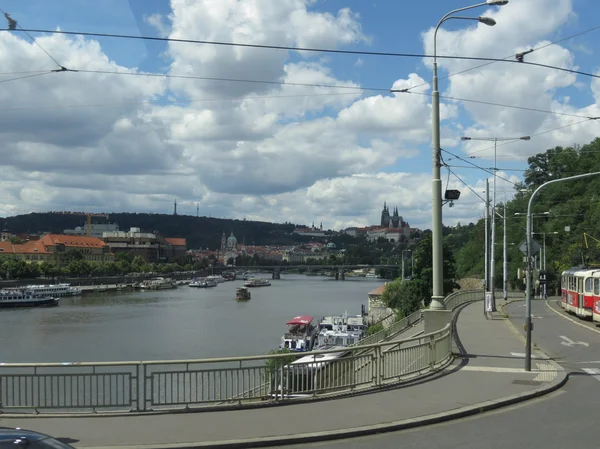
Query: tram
{"x": 580, "y": 292}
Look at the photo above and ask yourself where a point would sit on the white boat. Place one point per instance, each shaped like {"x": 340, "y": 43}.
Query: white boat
{"x": 340, "y": 331}
{"x": 53, "y": 290}
{"x": 158, "y": 284}
{"x": 203, "y": 283}
{"x": 14, "y": 298}
{"x": 311, "y": 371}
{"x": 300, "y": 335}
{"x": 217, "y": 278}
{"x": 257, "y": 282}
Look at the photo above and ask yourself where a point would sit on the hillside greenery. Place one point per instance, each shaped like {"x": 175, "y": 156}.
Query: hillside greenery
{"x": 573, "y": 213}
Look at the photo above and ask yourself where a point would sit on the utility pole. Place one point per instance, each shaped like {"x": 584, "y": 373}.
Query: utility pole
{"x": 487, "y": 239}
{"x": 505, "y": 252}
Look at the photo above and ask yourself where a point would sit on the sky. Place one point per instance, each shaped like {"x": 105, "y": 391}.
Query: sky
{"x": 277, "y": 135}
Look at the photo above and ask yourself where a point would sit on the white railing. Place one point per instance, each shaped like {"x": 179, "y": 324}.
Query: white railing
{"x": 236, "y": 381}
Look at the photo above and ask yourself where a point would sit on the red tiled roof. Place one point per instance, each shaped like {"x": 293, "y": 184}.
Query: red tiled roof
{"x": 73, "y": 241}
{"x": 176, "y": 241}
{"x": 378, "y": 291}
{"x": 31, "y": 247}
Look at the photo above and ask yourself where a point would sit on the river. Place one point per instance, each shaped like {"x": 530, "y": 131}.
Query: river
{"x": 183, "y": 323}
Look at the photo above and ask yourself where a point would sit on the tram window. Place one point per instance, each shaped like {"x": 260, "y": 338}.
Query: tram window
{"x": 589, "y": 285}
{"x": 596, "y": 286}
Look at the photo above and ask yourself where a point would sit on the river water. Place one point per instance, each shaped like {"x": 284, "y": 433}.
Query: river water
{"x": 183, "y": 323}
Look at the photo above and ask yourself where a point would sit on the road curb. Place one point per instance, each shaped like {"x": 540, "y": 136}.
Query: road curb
{"x": 411, "y": 423}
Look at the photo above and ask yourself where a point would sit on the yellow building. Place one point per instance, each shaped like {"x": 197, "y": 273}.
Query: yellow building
{"x": 53, "y": 248}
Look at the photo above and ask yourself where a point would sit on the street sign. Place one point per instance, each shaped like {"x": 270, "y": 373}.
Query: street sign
{"x": 535, "y": 247}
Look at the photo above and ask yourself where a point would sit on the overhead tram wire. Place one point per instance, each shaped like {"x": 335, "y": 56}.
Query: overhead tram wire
{"x": 508, "y": 57}
{"x": 491, "y": 172}
{"x": 291, "y": 48}
{"x": 357, "y": 89}
{"x": 587, "y": 119}
{"x": 14, "y": 26}
{"x": 26, "y": 76}
{"x": 464, "y": 183}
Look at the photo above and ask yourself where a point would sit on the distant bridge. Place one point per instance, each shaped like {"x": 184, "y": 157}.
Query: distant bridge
{"x": 340, "y": 270}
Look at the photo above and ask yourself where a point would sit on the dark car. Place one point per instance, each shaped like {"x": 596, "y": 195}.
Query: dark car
{"x": 14, "y": 438}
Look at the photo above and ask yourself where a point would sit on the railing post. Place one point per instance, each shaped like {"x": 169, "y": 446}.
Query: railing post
{"x": 432, "y": 357}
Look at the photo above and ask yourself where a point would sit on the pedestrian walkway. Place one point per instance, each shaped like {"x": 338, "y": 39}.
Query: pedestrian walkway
{"x": 491, "y": 369}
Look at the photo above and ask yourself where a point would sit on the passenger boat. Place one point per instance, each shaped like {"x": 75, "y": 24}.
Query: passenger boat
{"x": 300, "y": 335}
{"x": 159, "y": 283}
{"x": 14, "y": 298}
{"x": 340, "y": 331}
{"x": 52, "y": 290}
{"x": 242, "y": 294}
{"x": 257, "y": 282}
{"x": 217, "y": 278}
{"x": 312, "y": 372}
{"x": 203, "y": 283}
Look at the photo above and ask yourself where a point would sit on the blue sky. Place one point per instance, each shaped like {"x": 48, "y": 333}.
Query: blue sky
{"x": 387, "y": 26}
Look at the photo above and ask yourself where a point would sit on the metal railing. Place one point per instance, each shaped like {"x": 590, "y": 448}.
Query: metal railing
{"x": 236, "y": 381}
{"x": 393, "y": 329}
{"x": 182, "y": 384}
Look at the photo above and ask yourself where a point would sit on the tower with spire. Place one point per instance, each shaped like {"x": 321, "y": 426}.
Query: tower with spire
{"x": 175, "y": 207}
{"x": 385, "y": 216}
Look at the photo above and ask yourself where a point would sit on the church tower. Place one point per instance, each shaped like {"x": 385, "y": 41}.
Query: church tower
{"x": 385, "y": 216}
{"x": 395, "y": 219}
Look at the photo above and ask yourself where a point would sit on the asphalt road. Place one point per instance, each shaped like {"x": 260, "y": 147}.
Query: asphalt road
{"x": 566, "y": 418}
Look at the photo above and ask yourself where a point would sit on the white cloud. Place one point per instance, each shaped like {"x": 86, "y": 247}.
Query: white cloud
{"x": 274, "y": 150}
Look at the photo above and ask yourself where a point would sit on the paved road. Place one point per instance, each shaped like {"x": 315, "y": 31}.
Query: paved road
{"x": 567, "y": 418}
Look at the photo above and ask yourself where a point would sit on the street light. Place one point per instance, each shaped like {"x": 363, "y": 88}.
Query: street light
{"x": 528, "y": 237}
{"x": 493, "y": 237}
{"x": 437, "y": 298}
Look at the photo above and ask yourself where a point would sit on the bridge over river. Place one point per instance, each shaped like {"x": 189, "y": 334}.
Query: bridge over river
{"x": 338, "y": 270}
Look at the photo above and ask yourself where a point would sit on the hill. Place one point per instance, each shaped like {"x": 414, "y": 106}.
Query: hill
{"x": 200, "y": 232}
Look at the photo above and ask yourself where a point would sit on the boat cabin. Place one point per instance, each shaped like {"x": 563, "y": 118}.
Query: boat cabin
{"x": 300, "y": 335}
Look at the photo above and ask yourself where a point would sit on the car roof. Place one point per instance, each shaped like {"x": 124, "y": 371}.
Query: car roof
{"x": 11, "y": 433}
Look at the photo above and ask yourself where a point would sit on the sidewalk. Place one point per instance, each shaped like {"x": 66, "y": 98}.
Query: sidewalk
{"x": 493, "y": 360}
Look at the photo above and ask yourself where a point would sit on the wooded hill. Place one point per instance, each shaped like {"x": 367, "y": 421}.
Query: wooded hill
{"x": 573, "y": 211}
{"x": 200, "y": 232}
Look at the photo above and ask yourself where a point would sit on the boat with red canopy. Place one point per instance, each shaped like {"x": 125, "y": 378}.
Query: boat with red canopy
{"x": 300, "y": 335}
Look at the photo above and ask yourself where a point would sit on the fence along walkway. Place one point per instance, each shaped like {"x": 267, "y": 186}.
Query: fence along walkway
{"x": 182, "y": 384}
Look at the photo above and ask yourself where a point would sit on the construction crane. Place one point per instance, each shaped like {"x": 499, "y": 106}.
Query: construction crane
{"x": 88, "y": 215}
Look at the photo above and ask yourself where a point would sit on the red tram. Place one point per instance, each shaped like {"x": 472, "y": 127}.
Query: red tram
{"x": 580, "y": 292}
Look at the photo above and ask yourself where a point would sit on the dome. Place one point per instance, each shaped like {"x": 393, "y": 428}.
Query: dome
{"x": 232, "y": 241}
{"x": 331, "y": 245}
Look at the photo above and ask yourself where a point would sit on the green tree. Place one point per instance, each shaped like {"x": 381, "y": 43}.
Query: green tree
{"x": 423, "y": 268}
{"x": 405, "y": 297}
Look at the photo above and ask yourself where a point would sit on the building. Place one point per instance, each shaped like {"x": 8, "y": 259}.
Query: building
{"x": 93, "y": 249}
{"x": 97, "y": 229}
{"x": 310, "y": 232}
{"x": 54, "y": 248}
{"x": 151, "y": 246}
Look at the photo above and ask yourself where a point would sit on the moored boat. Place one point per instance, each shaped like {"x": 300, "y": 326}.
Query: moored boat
{"x": 340, "y": 331}
{"x": 15, "y": 298}
{"x": 257, "y": 282}
{"x": 51, "y": 290}
{"x": 300, "y": 335}
{"x": 203, "y": 283}
{"x": 158, "y": 283}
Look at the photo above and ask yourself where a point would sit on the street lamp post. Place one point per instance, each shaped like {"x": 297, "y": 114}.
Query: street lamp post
{"x": 529, "y": 274}
{"x": 437, "y": 299}
{"x": 405, "y": 251}
{"x": 543, "y": 262}
{"x": 492, "y": 278}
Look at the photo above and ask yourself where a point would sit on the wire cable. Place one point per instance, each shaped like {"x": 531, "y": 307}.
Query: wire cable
{"x": 466, "y": 185}
{"x": 34, "y": 40}
{"x": 292, "y": 48}
{"x": 508, "y": 57}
